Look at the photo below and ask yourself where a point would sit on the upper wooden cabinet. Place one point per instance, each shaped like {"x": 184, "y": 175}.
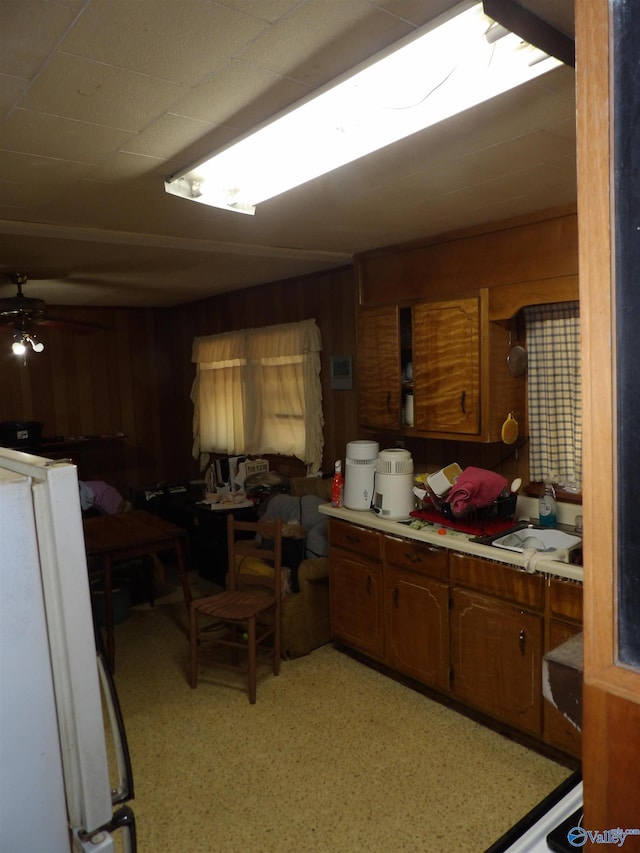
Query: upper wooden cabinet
{"x": 379, "y": 373}
{"x": 460, "y": 383}
{"x": 460, "y": 292}
{"x": 446, "y": 366}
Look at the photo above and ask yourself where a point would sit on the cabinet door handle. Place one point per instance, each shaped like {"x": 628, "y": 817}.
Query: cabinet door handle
{"x": 368, "y": 584}
{"x": 396, "y": 597}
{"x": 522, "y": 641}
{"x": 463, "y": 400}
{"x": 388, "y": 401}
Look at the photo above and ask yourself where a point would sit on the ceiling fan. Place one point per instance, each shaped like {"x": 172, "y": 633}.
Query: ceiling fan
{"x": 22, "y": 313}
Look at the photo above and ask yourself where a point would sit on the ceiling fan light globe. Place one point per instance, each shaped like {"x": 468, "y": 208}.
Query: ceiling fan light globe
{"x": 18, "y": 348}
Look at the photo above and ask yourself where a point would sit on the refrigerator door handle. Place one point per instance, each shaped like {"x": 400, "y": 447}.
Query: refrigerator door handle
{"x": 100, "y": 839}
{"x": 124, "y": 787}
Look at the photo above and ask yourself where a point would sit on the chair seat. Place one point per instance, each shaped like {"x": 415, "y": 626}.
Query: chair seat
{"x": 233, "y": 604}
{"x": 248, "y": 597}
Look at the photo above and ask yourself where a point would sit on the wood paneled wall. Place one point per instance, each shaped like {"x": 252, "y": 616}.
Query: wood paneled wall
{"x": 103, "y": 383}
{"x": 134, "y": 377}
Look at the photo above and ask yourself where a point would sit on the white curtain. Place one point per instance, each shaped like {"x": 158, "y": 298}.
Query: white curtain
{"x": 258, "y": 391}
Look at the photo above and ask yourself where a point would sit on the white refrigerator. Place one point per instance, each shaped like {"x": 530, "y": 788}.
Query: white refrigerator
{"x": 64, "y": 763}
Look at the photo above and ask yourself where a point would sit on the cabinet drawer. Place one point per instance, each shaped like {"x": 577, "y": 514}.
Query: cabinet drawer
{"x": 366, "y": 543}
{"x": 417, "y": 556}
{"x": 565, "y": 599}
{"x": 498, "y": 579}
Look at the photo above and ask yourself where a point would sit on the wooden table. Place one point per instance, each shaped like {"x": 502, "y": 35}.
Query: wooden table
{"x": 125, "y": 536}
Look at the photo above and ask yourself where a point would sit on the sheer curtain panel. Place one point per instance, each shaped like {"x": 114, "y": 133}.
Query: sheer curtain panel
{"x": 258, "y": 391}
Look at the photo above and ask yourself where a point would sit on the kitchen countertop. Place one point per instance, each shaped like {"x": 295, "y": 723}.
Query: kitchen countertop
{"x": 453, "y": 540}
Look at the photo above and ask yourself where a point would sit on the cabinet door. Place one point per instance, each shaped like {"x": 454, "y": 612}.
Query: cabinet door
{"x": 355, "y": 590}
{"x": 496, "y": 651}
{"x": 418, "y": 626}
{"x": 558, "y": 730}
{"x": 446, "y": 366}
{"x": 379, "y": 371}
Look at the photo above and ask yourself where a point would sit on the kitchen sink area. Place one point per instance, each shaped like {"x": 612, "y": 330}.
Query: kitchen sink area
{"x": 526, "y": 536}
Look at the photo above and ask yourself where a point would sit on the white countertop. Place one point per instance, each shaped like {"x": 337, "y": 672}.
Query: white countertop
{"x": 452, "y": 539}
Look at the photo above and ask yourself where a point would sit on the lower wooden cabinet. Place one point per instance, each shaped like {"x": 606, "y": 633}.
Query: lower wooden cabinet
{"x": 355, "y": 588}
{"x": 417, "y": 621}
{"x": 416, "y": 605}
{"x": 496, "y": 653}
{"x": 469, "y": 627}
{"x": 564, "y": 622}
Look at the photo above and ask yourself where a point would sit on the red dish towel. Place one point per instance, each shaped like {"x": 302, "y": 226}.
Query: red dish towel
{"x": 474, "y": 488}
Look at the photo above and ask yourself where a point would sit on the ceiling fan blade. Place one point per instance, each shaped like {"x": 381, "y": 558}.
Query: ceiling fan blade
{"x": 66, "y": 324}
{"x": 20, "y": 312}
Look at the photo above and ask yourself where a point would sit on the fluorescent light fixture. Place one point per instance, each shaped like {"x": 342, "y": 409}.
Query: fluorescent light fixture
{"x": 451, "y": 65}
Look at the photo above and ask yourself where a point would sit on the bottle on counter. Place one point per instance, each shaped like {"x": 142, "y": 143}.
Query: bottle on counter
{"x": 337, "y": 485}
{"x": 547, "y": 509}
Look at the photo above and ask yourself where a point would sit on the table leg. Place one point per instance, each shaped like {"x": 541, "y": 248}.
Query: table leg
{"x": 182, "y": 571}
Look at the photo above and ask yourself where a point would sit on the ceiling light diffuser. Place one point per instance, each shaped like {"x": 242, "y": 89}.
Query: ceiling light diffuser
{"x": 456, "y": 62}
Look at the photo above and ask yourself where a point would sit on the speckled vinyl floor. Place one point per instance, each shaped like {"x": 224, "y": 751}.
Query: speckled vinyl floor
{"x": 334, "y": 757}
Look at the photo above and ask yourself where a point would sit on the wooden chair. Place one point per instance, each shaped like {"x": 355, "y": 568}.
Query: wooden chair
{"x": 246, "y": 616}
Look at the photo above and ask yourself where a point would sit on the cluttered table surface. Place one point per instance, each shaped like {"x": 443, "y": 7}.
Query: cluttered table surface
{"x": 455, "y": 540}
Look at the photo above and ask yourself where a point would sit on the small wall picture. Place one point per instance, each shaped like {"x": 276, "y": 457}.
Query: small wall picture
{"x": 341, "y": 373}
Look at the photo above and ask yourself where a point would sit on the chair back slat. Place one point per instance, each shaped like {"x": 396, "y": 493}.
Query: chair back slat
{"x": 269, "y": 530}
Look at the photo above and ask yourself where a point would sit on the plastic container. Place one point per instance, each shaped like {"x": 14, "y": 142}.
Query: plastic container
{"x": 359, "y": 474}
{"x": 120, "y": 598}
{"x": 337, "y": 485}
{"x": 547, "y": 508}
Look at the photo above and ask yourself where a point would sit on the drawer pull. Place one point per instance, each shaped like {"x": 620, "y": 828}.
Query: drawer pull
{"x": 522, "y": 641}
{"x": 413, "y": 558}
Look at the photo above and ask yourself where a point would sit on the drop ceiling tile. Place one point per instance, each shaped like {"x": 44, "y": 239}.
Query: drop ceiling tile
{"x": 78, "y": 88}
{"x": 126, "y": 167}
{"x": 418, "y": 12}
{"x": 31, "y": 196}
{"x": 11, "y": 90}
{"x": 62, "y": 138}
{"x": 265, "y": 10}
{"x": 45, "y": 172}
{"x": 171, "y": 136}
{"x": 516, "y": 113}
{"x": 240, "y": 96}
{"x": 30, "y": 30}
{"x": 561, "y": 81}
{"x": 319, "y": 40}
{"x": 162, "y": 38}
{"x": 509, "y": 156}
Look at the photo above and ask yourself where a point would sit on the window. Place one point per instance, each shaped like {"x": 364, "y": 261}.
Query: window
{"x": 555, "y": 399}
{"x": 258, "y": 391}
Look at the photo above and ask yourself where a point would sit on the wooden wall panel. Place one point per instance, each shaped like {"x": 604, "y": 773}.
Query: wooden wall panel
{"x": 96, "y": 384}
{"x": 530, "y": 249}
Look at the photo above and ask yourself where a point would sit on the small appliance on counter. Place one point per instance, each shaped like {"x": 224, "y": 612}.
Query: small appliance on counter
{"x": 394, "y": 497}
{"x": 360, "y": 472}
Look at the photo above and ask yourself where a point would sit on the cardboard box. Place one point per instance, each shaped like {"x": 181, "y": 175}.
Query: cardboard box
{"x": 247, "y": 468}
